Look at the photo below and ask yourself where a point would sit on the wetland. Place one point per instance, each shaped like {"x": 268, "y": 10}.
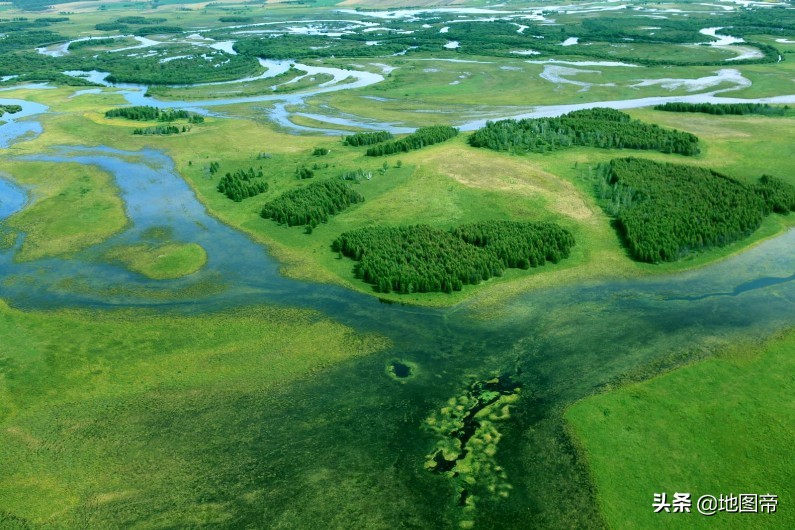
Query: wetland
{"x": 170, "y": 357}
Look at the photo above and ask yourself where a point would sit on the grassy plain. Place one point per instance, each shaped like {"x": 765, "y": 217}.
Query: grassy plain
{"x": 161, "y": 262}
{"x": 716, "y": 427}
{"x": 78, "y": 390}
{"x": 73, "y": 207}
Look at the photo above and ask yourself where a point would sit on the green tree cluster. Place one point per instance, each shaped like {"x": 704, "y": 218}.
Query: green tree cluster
{"x": 599, "y": 127}
{"x": 779, "y": 196}
{"x": 664, "y": 211}
{"x": 311, "y": 204}
{"x": 242, "y": 184}
{"x": 11, "y": 109}
{"x": 421, "y": 258}
{"x": 163, "y": 130}
{"x": 367, "y": 138}
{"x": 422, "y": 137}
{"x": 724, "y": 108}
{"x": 148, "y": 113}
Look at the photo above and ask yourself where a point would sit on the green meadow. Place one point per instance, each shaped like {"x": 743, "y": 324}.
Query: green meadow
{"x": 718, "y": 427}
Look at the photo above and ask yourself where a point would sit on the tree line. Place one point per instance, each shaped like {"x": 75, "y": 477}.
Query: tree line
{"x": 91, "y": 42}
{"x": 420, "y": 258}
{"x": 663, "y": 211}
{"x": 242, "y": 184}
{"x": 422, "y": 137}
{"x": 312, "y": 204}
{"x": 163, "y": 130}
{"x": 367, "y": 138}
{"x": 147, "y": 113}
{"x": 724, "y": 108}
{"x": 600, "y": 127}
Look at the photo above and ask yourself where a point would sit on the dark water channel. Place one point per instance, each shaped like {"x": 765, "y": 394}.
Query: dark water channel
{"x": 352, "y": 440}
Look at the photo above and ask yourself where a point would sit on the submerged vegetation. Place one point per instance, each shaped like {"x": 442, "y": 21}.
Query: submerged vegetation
{"x": 664, "y": 211}
{"x": 423, "y": 259}
{"x": 600, "y": 127}
{"x": 468, "y": 432}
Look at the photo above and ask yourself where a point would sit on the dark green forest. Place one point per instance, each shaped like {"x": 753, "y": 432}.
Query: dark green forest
{"x": 422, "y": 137}
{"x": 147, "y": 113}
{"x": 311, "y": 204}
{"x": 11, "y": 109}
{"x": 599, "y": 127}
{"x": 664, "y": 211}
{"x": 242, "y": 184}
{"x": 724, "y": 108}
{"x": 76, "y": 45}
{"x": 421, "y": 258}
{"x": 367, "y": 138}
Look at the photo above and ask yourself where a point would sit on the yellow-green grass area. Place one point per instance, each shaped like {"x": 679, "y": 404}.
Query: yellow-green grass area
{"x": 767, "y": 80}
{"x": 72, "y": 207}
{"x": 160, "y": 262}
{"x": 83, "y": 394}
{"x": 721, "y": 426}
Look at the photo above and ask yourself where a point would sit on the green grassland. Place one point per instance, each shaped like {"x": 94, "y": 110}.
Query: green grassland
{"x": 161, "y": 262}
{"x": 72, "y": 207}
{"x": 716, "y": 427}
{"x": 78, "y": 389}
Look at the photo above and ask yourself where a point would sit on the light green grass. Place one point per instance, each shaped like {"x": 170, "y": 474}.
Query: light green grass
{"x": 161, "y": 262}
{"x": 724, "y": 425}
{"x": 73, "y": 207}
{"x": 78, "y": 390}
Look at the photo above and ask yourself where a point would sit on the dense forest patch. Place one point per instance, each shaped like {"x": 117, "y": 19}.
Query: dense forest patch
{"x": 599, "y": 127}
{"x": 76, "y": 45}
{"x": 242, "y": 184}
{"x": 724, "y": 108}
{"x": 422, "y": 137}
{"x": 421, "y": 258}
{"x": 367, "y": 138}
{"x": 311, "y": 204}
{"x": 664, "y": 211}
{"x": 147, "y": 113}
